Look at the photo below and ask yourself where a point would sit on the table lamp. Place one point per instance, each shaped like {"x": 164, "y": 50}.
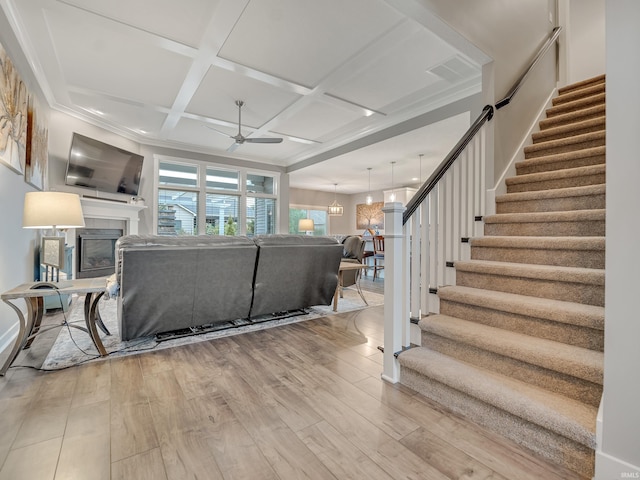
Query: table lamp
{"x": 306, "y": 225}
{"x": 52, "y": 210}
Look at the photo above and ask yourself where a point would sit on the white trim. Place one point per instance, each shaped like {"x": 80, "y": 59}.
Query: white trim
{"x": 612, "y": 468}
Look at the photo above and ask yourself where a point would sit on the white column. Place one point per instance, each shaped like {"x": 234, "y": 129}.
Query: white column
{"x": 393, "y": 294}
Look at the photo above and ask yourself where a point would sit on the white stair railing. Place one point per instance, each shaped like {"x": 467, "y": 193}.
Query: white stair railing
{"x": 431, "y": 234}
{"x": 423, "y": 241}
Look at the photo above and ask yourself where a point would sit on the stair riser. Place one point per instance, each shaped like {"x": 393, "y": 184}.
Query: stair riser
{"x": 570, "y": 118}
{"x": 588, "y": 294}
{"x": 549, "y": 445}
{"x": 572, "y": 387}
{"x": 553, "y": 184}
{"x": 524, "y": 168}
{"x": 530, "y": 152}
{"x": 545, "y": 136}
{"x": 583, "y": 103}
{"x": 537, "y": 327}
{"x": 549, "y": 229}
{"x": 562, "y": 204}
{"x": 556, "y": 257}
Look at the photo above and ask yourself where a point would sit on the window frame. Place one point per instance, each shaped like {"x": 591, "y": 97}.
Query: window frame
{"x": 202, "y": 190}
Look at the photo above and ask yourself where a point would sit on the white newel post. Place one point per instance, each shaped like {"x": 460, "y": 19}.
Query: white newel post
{"x": 393, "y": 289}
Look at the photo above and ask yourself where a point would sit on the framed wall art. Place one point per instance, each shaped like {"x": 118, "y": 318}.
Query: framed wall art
{"x": 370, "y": 216}
{"x": 13, "y": 116}
{"x": 35, "y": 170}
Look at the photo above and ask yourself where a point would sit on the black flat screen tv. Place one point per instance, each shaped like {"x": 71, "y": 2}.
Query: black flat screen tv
{"x": 102, "y": 167}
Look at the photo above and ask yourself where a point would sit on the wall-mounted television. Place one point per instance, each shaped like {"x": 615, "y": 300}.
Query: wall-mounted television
{"x": 102, "y": 167}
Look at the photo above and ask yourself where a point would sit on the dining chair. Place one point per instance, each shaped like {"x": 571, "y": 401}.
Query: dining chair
{"x": 378, "y": 254}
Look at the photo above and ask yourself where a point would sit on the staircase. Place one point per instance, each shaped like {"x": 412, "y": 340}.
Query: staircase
{"x": 518, "y": 344}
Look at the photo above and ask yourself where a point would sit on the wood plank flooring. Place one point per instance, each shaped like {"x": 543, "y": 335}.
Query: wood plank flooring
{"x": 299, "y": 401}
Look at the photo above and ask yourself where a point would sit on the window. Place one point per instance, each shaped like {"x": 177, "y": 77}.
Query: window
{"x": 261, "y": 216}
{"x": 222, "y": 214}
{"x": 177, "y": 204}
{"x": 319, "y": 218}
{"x": 194, "y": 198}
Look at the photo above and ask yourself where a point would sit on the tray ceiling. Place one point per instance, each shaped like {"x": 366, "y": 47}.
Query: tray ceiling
{"x": 322, "y": 75}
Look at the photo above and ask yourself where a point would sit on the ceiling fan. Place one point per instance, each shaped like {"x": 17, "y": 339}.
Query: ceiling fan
{"x": 239, "y": 138}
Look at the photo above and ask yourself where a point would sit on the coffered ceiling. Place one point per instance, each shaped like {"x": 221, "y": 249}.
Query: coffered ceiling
{"x": 326, "y": 76}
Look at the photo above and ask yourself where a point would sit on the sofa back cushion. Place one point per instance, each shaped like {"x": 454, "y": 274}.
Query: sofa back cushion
{"x": 195, "y": 281}
{"x": 294, "y": 272}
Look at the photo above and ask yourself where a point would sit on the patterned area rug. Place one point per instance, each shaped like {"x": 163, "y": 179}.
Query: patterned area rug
{"x": 73, "y": 347}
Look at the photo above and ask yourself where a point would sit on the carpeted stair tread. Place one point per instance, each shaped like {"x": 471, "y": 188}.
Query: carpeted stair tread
{"x": 584, "y": 140}
{"x": 582, "y": 84}
{"x": 546, "y": 217}
{"x": 541, "y": 243}
{"x": 576, "y": 93}
{"x": 566, "y": 178}
{"x": 570, "y": 313}
{"x": 586, "y": 276}
{"x": 575, "y": 128}
{"x": 559, "y": 357}
{"x": 573, "y": 116}
{"x": 578, "y": 104}
{"x": 584, "y": 252}
{"x": 558, "y": 161}
{"x": 561, "y": 415}
{"x": 580, "y": 191}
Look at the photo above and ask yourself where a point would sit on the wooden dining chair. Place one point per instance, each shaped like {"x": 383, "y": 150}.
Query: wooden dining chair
{"x": 378, "y": 255}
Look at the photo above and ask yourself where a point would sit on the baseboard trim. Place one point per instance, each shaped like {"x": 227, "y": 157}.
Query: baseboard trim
{"x": 8, "y": 338}
{"x": 612, "y": 468}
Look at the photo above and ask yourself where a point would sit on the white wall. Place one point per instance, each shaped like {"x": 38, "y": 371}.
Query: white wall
{"x": 619, "y": 452}
{"x": 585, "y": 39}
{"x": 17, "y": 254}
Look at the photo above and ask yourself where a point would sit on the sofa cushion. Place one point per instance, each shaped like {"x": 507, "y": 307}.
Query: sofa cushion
{"x": 294, "y": 272}
{"x": 172, "y": 283}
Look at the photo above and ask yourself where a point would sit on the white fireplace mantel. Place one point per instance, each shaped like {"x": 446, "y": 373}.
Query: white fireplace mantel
{"x": 110, "y": 210}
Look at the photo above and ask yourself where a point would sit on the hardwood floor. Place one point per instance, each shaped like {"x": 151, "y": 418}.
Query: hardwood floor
{"x": 299, "y": 401}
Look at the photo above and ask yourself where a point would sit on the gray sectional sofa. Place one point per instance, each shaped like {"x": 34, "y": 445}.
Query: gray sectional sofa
{"x": 172, "y": 283}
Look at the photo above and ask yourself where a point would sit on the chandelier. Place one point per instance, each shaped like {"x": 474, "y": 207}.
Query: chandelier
{"x": 335, "y": 209}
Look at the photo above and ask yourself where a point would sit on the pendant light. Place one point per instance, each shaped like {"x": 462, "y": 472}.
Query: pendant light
{"x": 335, "y": 209}
{"x": 392, "y": 197}
{"x": 421, "y": 167}
{"x": 369, "y": 199}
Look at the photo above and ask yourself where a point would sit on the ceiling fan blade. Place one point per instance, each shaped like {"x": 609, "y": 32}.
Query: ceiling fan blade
{"x": 263, "y": 140}
{"x": 219, "y": 132}
{"x": 233, "y": 147}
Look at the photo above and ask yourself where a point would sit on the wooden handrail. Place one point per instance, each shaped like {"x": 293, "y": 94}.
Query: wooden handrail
{"x": 432, "y": 181}
{"x": 555, "y": 33}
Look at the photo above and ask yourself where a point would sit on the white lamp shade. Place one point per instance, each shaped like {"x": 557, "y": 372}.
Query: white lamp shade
{"x": 52, "y": 210}
{"x": 305, "y": 225}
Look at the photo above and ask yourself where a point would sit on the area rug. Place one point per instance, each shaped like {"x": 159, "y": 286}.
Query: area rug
{"x": 74, "y": 347}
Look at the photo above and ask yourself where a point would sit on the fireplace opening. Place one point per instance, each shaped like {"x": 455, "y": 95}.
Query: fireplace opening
{"x": 96, "y": 251}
